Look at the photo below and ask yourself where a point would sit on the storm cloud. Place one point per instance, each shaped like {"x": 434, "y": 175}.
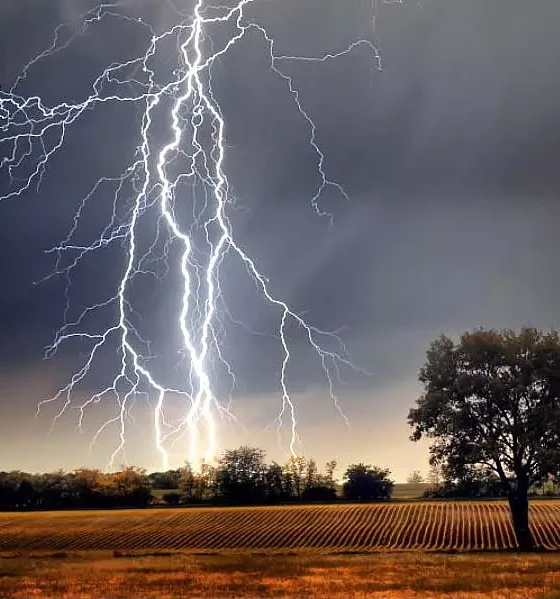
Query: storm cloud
{"x": 449, "y": 155}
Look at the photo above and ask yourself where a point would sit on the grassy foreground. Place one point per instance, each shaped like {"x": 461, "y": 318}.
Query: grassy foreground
{"x": 292, "y": 575}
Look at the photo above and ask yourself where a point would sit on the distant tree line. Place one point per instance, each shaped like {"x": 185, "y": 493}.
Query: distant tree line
{"x": 241, "y": 477}
{"x": 82, "y": 488}
{"x": 478, "y": 482}
{"x": 475, "y": 483}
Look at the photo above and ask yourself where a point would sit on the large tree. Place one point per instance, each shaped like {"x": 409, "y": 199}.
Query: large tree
{"x": 493, "y": 399}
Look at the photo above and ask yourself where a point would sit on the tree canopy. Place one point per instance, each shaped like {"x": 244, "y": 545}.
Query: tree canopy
{"x": 364, "y": 482}
{"x": 240, "y": 475}
{"x": 492, "y": 400}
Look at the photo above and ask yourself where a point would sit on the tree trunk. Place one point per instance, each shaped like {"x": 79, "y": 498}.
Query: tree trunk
{"x": 519, "y": 506}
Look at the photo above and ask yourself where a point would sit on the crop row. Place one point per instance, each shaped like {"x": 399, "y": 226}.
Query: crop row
{"x": 406, "y": 526}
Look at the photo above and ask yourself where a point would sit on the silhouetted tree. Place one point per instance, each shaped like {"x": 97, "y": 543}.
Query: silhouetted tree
{"x": 330, "y": 468}
{"x": 312, "y": 477}
{"x": 319, "y": 487}
{"x": 86, "y": 488}
{"x": 7, "y": 491}
{"x": 364, "y": 482}
{"x": 17, "y": 490}
{"x": 240, "y": 476}
{"x": 54, "y": 490}
{"x": 274, "y": 483}
{"x": 188, "y": 484}
{"x": 319, "y": 492}
{"x": 25, "y": 493}
{"x": 172, "y": 498}
{"x": 295, "y": 475}
{"x": 130, "y": 486}
{"x": 493, "y": 400}
{"x": 206, "y": 487}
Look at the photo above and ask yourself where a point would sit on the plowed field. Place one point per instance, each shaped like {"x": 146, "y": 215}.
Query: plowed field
{"x": 406, "y": 526}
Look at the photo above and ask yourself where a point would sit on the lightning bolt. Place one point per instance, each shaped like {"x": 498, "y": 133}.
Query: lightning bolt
{"x": 152, "y": 189}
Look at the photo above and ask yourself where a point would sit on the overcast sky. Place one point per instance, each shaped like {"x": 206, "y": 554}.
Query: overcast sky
{"x": 449, "y": 156}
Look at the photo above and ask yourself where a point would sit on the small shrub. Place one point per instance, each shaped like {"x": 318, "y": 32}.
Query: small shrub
{"x": 322, "y": 493}
{"x": 172, "y": 498}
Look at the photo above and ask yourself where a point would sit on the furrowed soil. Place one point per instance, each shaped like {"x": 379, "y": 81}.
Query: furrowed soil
{"x": 404, "y": 550}
{"x": 423, "y": 526}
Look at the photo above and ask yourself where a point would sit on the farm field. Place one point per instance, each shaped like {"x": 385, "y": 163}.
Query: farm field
{"x": 421, "y": 526}
{"x": 292, "y": 575}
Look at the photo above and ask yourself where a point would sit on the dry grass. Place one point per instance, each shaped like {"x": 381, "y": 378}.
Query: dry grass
{"x": 428, "y": 526}
{"x": 403, "y": 575}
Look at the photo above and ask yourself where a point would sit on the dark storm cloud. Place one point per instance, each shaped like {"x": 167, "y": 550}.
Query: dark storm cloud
{"x": 449, "y": 154}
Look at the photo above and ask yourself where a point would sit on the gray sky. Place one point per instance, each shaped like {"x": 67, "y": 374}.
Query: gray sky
{"x": 449, "y": 157}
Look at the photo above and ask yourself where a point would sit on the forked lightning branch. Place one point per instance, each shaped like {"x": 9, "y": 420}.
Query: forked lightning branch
{"x": 183, "y": 174}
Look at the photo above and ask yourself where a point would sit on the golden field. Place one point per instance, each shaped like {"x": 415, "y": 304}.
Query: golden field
{"x": 423, "y": 526}
{"x": 401, "y": 550}
{"x": 396, "y": 575}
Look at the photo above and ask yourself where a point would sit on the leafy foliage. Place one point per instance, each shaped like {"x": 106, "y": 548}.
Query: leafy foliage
{"x": 493, "y": 400}
{"x": 478, "y": 482}
{"x": 81, "y": 488}
{"x": 364, "y": 482}
{"x": 241, "y": 477}
{"x": 165, "y": 480}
